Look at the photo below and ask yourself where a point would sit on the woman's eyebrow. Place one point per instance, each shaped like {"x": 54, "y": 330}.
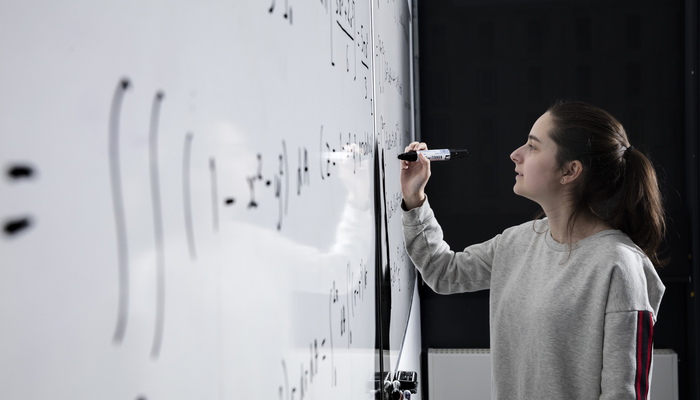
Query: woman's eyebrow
{"x": 533, "y": 137}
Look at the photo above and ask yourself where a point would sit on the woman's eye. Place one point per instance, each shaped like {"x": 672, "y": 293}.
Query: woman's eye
{"x": 531, "y": 147}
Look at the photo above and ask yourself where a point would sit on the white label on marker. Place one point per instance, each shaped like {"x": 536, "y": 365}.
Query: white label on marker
{"x": 442, "y": 154}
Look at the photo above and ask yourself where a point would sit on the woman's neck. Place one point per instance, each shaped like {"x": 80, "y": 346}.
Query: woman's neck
{"x": 586, "y": 224}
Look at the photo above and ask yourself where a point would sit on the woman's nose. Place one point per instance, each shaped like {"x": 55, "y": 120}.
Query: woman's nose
{"x": 515, "y": 155}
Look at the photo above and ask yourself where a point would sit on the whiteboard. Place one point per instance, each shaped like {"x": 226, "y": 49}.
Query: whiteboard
{"x": 197, "y": 197}
{"x": 394, "y": 129}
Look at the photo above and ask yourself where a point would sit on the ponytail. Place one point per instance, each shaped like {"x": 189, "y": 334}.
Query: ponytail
{"x": 640, "y": 212}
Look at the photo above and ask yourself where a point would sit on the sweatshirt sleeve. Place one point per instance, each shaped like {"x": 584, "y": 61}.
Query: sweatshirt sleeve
{"x": 633, "y": 302}
{"x": 627, "y": 355}
{"x": 444, "y": 270}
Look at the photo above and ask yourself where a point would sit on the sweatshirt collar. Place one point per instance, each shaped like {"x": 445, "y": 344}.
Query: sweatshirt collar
{"x": 556, "y": 246}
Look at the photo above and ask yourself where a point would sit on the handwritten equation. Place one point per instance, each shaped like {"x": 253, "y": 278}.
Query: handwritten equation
{"x": 344, "y": 308}
{"x": 291, "y": 175}
{"x": 398, "y": 264}
{"x": 389, "y": 74}
{"x": 390, "y": 136}
{"x": 349, "y": 38}
{"x": 345, "y": 147}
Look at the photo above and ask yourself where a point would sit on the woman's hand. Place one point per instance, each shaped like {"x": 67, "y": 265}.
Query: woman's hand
{"x": 414, "y": 177}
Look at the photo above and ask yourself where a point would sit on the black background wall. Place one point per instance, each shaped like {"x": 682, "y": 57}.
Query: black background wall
{"x": 489, "y": 68}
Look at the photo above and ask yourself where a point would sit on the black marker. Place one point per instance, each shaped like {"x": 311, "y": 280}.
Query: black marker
{"x": 434, "y": 155}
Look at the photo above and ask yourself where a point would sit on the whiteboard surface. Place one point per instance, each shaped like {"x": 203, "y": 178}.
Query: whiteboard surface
{"x": 188, "y": 197}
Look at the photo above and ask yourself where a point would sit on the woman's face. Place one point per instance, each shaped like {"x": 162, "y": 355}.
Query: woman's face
{"x": 538, "y": 175}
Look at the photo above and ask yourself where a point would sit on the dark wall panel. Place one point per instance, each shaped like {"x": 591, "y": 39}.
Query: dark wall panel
{"x": 489, "y": 69}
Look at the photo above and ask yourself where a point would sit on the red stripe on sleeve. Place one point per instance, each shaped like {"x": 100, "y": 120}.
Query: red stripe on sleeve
{"x": 639, "y": 354}
{"x": 651, "y": 346}
{"x": 645, "y": 348}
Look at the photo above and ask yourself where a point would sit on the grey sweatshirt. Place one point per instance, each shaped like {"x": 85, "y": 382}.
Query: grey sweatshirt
{"x": 565, "y": 323}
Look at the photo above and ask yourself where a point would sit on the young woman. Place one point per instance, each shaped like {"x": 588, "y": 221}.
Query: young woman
{"x": 573, "y": 296}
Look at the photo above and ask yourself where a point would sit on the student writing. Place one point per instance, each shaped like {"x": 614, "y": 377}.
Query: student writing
{"x": 574, "y": 295}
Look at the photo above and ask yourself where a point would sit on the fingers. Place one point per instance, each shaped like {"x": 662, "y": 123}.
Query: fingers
{"x": 417, "y": 146}
{"x": 423, "y": 160}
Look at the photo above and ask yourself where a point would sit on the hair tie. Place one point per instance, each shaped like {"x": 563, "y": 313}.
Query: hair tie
{"x": 628, "y": 149}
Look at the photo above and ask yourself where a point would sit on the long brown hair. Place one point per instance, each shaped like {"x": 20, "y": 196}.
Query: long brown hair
{"x": 619, "y": 182}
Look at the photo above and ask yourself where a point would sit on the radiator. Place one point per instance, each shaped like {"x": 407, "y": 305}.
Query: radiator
{"x": 459, "y": 374}
{"x": 465, "y": 374}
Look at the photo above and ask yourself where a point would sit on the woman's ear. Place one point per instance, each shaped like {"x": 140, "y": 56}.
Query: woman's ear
{"x": 572, "y": 171}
